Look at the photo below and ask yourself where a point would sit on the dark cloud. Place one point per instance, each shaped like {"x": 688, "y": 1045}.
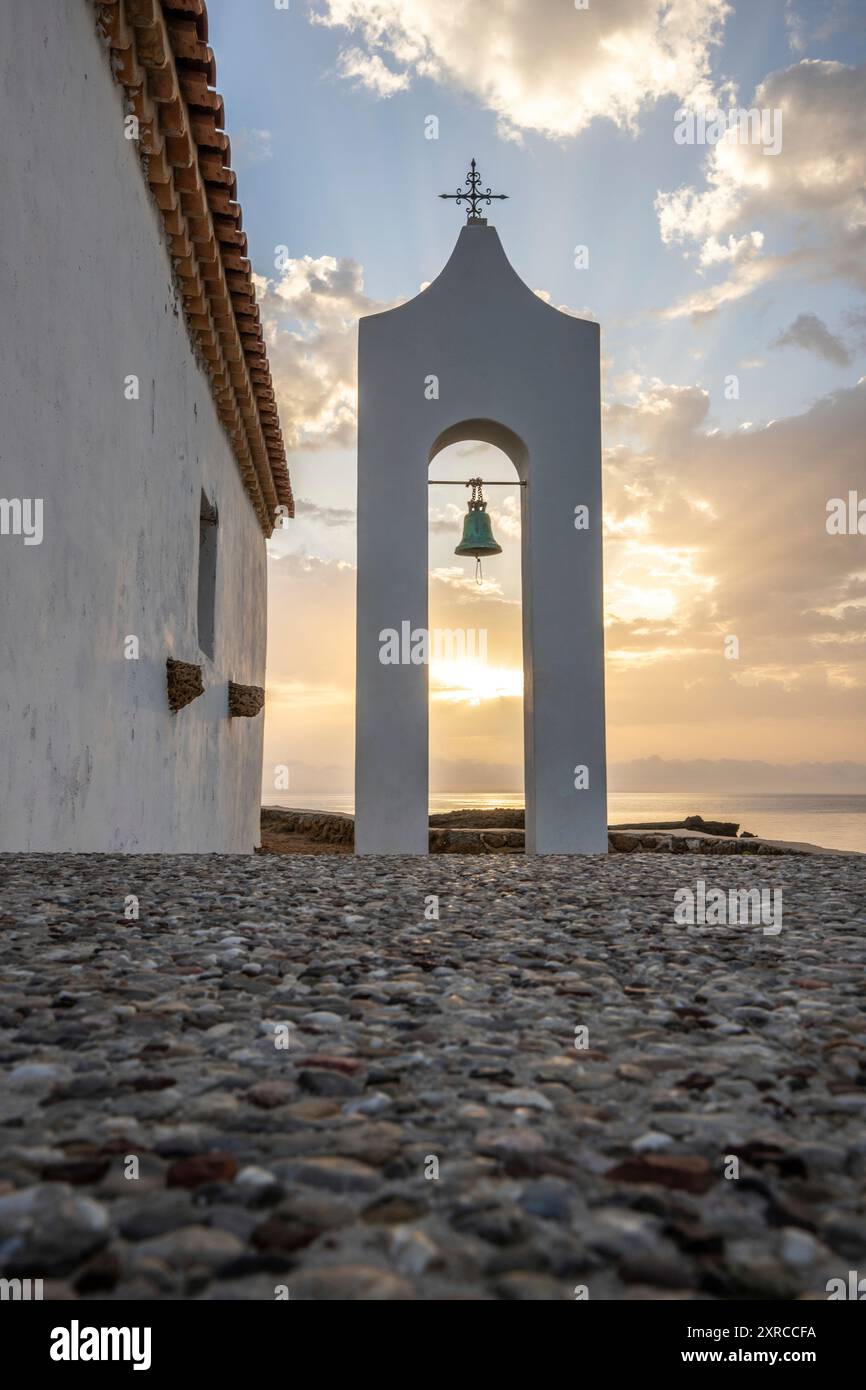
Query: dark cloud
{"x": 809, "y": 332}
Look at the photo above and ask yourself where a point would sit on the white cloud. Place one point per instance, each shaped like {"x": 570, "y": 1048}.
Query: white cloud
{"x": 310, "y": 313}
{"x": 748, "y": 274}
{"x": 583, "y": 313}
{"x": 540, "y": 65}
{"x": 461, "y": 582}
{"x": 813, "y": 190}
{"x": 368, "y": 70}
{"x": 324, "y": 516}
{"x": 736, "y": 249}
{"x": 445, "y": 521}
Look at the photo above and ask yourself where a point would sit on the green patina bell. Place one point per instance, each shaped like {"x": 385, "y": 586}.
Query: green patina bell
{"x": 478, "y": 538}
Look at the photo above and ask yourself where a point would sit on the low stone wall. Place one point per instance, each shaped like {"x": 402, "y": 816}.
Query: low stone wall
{"x": 513, "y": 818}
{"x": 476, "y": 840}
{"x": 480, "y": 832}
{"x": 687, "y": 842}
{"x": 494, "y": 818}
{"x": 329, "y": 826}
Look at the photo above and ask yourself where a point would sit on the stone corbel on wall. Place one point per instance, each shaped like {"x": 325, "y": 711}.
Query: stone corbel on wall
{"x": 245, "y": 701}
{"x": 184, "y": 683}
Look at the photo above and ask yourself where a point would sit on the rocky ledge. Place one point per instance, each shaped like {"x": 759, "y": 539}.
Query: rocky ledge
{"x": 443, "y": 1078}
{"x": 500, "y": 831}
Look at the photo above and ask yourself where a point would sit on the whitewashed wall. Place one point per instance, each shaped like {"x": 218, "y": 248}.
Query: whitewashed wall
{"x": 90, "y": 756}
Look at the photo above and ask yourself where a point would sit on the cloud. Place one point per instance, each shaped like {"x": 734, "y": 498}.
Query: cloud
{"x": 809, "y": 332}
{"x": 368, "y": 70}
{"x": 710, "y": 534}
{"x": 659, "y": 413}
{"x": 251, "y": 147}
{"x": 815, "y": 21}
{"x": 540, "y": 65}
{"x": 812, "y": 193}
{"x": 446, "y": 521}
{"x": 821, "y": 168}
{"x": 310, "y": 313}
{"x": 455, "y": 583}
{"x": 505, "y": 518}
{"x": 734, "y": 251}
{"x": 749, "y": 273}
{"x": 856, "y": 321}
{"x": 325, "y": 516}
{"x": 564, "y": 308}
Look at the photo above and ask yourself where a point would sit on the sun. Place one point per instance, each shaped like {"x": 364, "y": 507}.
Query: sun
{"x": 472, "y": 682}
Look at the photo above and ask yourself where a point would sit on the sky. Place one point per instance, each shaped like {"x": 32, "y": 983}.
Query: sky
{"x": 729, "y": 279}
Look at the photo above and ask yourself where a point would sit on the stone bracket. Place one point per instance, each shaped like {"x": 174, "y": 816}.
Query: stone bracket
{"x": 184, "y": 681}
{"x": 245, "y": 701}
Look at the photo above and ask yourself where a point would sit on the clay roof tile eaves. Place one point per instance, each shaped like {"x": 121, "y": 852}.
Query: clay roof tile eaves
{"x": 159, "y": 54}
{"x": 190, "y": 9}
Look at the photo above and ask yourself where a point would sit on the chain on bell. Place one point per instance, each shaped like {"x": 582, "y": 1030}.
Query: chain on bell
{"x": 478, "y": 538}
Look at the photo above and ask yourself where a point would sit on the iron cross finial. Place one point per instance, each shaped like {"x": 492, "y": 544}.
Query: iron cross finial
{"x": 474, "y": 195}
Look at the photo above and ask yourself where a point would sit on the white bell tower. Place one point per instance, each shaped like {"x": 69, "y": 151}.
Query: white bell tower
{"x": 519, "y": 374}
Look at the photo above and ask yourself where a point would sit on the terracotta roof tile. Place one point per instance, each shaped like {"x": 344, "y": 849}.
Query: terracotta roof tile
{"x": 160, "y": 56}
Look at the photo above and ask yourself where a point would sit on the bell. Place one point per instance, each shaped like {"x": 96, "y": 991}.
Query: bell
{"x": 478, "y": 538}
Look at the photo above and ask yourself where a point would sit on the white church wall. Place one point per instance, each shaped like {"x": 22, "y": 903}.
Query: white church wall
{"x": 90, "y": 756}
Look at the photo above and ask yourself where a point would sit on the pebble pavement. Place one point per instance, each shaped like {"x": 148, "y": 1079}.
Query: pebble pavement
{"x": 284, "y": 1079}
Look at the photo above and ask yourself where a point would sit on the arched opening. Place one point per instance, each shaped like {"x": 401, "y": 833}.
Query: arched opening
{"x": 476, "y": 671}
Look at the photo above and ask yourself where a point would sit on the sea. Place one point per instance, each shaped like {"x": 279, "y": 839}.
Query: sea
{"x": 830, "y": 820}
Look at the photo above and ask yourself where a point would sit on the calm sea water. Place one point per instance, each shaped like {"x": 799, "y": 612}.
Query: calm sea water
{"x": 836, "y": 822}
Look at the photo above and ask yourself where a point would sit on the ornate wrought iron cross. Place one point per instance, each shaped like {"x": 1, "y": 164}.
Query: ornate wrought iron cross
{"x": 474, "y": 195}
